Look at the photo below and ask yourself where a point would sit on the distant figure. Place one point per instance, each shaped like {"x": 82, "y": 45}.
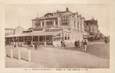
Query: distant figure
{"x": 85, "y": 44}
{"x": 14, "y": 44}
{"x": 35, "y": 45}
{"x": 62, "y": 43}
{"x": 77, "y": 43}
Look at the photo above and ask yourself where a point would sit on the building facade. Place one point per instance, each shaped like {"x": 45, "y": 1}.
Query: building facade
{"x": 59, "y": 19}
{"x": 52, "y": 28}
{"x": 69, "y": 24}
{"x": 9, "y": 31}
{"x": 91, "y": 27}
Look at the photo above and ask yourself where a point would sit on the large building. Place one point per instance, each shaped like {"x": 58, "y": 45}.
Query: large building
{"x": 69, "y": 25}
{"x": 59, "y": 19}
{"x": 55, "y": 27}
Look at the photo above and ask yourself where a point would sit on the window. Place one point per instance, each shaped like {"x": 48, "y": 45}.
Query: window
{"x": 49, "y": 24}
{"x": 56, "y": 22}
{"x": 42, "y": 38}
{"x": 20, "y": 39}
{"x": 48, "y": 38}
{"x": 42, "y": 24}
{"x": 65, "y": 37}
{"x": 35, "y": 38}
{"x": 64, "y": 20}
{"x": 37, "y": 24}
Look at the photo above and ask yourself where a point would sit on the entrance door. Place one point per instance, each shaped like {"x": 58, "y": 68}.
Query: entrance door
{"x": 41, "y": 40}
{"x": 49, "y": 40}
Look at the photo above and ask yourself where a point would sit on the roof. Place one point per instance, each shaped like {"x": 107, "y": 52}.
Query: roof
{"x": 35, "y": 33}
{"x": 53, "y": 15}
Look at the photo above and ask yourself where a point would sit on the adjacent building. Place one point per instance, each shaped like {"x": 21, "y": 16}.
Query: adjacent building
{"x": 19, "y": 30}
{"x": 9, "y": 31}
{"x": 92, "y": 28}
{"x": 14, "y": 31}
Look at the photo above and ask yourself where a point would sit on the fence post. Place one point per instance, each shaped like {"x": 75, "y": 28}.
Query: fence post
{"x": 29, "y": 54}
{"x": 11, "y": 53}
{"x": 19, "y": 53}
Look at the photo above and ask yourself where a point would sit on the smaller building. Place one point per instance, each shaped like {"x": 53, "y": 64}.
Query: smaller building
{"x": 9, "y": 31}
{"x": 12, "y": 31}
{"x": 19, "y": 30}
{"x": 92, "y": 28}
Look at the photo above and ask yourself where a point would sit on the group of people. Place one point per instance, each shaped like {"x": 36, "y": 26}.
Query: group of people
{"x": 82, "y": 44}
{"x": 79, "y": 44}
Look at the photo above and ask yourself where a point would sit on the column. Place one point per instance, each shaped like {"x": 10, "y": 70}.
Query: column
{"x": 11, "y": 52}
{"x": 78, "y": 23}
{"x": 44, "y": 23}
{"x": 83, "y": 19}
{"x": 59, "y": 21}
{"x": 45, "y": 41}
{"x": 41, "y": 24}
{"x": 54, "y": 23}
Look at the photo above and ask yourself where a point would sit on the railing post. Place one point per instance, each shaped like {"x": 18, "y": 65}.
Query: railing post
{"x": 19, "y": 53}
{"x": 29, "y": 54}
{"x": 11, "y": 53}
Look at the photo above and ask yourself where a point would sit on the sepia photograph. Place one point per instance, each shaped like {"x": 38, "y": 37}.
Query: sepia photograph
{"x": 57, "y": 36}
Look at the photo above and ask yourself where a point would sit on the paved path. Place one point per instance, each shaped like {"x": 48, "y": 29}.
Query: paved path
{"x": 51, "y": 57}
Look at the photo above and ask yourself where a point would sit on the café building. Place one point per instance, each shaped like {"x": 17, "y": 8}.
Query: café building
{"x": 52, "y": 28}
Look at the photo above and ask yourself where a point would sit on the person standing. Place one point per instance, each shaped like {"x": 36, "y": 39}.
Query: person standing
{"x": 85, "y": 44}
{"x": 62, "y": 43}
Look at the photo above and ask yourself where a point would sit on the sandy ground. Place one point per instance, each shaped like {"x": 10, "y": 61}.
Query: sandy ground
{"x": 97, "y": 56}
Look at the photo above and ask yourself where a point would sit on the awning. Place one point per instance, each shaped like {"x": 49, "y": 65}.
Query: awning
{"x": 34, "y": 33}
{"x": 37, "y": 33}
{"x": 18, "y": 35}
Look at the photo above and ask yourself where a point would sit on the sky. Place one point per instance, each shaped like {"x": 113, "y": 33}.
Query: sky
{"x": 22, "y": 14}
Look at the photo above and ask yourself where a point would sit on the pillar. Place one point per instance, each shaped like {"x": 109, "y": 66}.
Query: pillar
{"x": 80, "y": 25}
{"x": 41, "y": 24}
{"x": 45, "y": 41}
{"x": 59, "y": 21}
{"x": 44, "y": 23}
{"x": 54, "y": 23}
{"x": 83, "y": 19}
